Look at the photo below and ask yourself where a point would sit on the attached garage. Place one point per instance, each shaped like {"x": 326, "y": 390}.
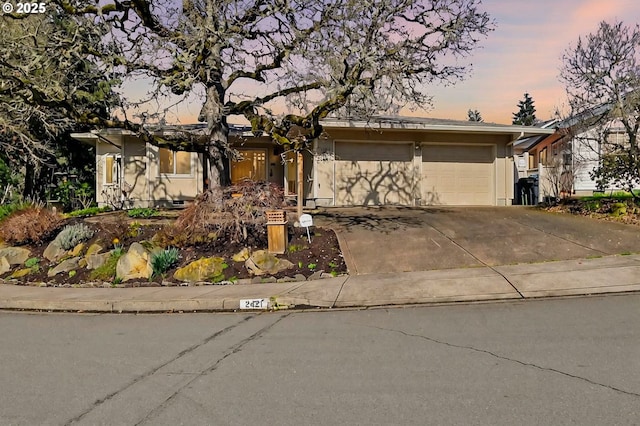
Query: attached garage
{"x": 373, "y": 174}
{"x": 458, "y": 175}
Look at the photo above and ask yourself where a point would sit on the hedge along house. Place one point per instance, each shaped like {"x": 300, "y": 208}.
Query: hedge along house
{"x": 382, "y": 161}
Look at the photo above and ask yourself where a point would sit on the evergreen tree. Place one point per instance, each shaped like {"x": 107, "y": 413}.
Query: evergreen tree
{"x": 474, "y": 115}
{"x": 526, "y": 115}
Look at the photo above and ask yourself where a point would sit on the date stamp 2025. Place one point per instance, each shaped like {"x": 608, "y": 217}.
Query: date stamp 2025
{"x": 26, "y": 8}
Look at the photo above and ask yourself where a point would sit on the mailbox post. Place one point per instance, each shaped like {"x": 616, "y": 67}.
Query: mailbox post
{"x": 277, "y": 231}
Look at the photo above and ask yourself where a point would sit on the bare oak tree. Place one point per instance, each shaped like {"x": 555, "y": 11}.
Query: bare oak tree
{"x": 257, "y": 59}
{"x": 48, "y": 84}
{"x": 602, "y": 78}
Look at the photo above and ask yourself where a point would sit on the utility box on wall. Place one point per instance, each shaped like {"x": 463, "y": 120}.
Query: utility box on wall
{"x": 277, "y": 231}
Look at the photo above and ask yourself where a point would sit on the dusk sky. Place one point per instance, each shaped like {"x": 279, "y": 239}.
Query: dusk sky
{"x": 523, "y": 55}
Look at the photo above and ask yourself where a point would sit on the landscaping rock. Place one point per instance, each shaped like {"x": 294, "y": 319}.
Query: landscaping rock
{"x": 20, "y": 273}
{"x": 241, "y": 256}
{"x": 96, "y": 260}
{"x": 262, "y": 262}
{"x": 94, "y": 248}
{"x": 315, "y": 276}
{"x": 4, "y": 265}
{"x": 134, "y": 264}
{"x": 54, "y": 251}
{"x": 204, "y": 269}
{"x": 15, "y": 255}
{"x": 77, "y": 250}
{"x": 65, "y": 266}
{"x": 300, "y": 277}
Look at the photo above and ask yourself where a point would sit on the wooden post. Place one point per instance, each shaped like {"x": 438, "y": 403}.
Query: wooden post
{"x": 300, "y": 183}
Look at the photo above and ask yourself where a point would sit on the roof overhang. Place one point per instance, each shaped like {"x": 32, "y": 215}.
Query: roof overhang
{"x": 434, "y": 125}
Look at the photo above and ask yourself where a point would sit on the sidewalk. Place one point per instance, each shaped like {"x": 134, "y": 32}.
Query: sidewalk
{"x": 611, "y": 274}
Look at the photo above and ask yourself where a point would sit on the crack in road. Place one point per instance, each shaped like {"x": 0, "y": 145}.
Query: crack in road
{"x": 231, "y": 351}
{"x": 155, "y": 369}
{"x": 504, "y": 358}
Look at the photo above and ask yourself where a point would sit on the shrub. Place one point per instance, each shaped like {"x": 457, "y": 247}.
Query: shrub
{"x": 221, "y": 214}
{"x": 7, "y": 209}
{"x": 91, "y": 211}
{"x": 72, "y": 235}
{"x": 162, "y": 261}
{"x": 33, "y": 224}
{"x": 142, "y": 212}
{"x": 31, "y": 262}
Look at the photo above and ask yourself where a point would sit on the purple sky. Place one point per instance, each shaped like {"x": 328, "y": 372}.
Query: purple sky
{"x": 523, "y": 55}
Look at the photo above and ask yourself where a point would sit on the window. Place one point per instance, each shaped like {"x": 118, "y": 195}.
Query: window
{"x": 174, "y": 162}
{"x": 111, "y": 169}
{"x": 532, "y": 161}
{"x": 543, "y": 157}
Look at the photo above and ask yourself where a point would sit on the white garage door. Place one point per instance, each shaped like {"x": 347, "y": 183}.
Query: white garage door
{"x": 373, "y": 174}
{"x": 457, "y": 175}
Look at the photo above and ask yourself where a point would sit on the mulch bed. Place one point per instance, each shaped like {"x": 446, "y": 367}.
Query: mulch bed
{"x": 322, "y": 254}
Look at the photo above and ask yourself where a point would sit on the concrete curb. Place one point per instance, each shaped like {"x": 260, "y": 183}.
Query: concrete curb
{"x": 611, "y": 274}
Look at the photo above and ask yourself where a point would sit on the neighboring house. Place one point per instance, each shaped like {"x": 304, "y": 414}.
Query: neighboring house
{"x": 383, "y": 161}
{"x": 563, "y": 162}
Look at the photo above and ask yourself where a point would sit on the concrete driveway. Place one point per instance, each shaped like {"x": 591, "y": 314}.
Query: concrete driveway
{"x": 404, "y": 239}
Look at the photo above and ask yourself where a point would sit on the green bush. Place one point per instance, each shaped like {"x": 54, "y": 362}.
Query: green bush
{"x": 72, "y": 235}
{"x": 142, "y": 212}
{"x": 162, "y": 261}
{"x": 107, "y": 271}
{"x": 91, "y": 211}
{"x": 31, "y": 262}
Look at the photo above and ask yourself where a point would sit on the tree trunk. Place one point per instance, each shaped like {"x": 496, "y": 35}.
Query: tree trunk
{"x": 216, "y": 157}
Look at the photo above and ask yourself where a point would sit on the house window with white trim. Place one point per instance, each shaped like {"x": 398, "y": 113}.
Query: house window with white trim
{"x": 174, "y": 162}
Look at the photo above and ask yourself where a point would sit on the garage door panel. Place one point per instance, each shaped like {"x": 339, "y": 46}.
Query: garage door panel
{"x": 457, "y": 175}
{"x": 373, "y": 174}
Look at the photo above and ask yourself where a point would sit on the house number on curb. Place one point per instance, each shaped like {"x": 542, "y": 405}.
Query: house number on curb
{"x": 254, "y": 303}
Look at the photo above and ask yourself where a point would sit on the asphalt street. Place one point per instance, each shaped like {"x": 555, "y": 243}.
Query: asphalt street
{"x": 559, "y": 361}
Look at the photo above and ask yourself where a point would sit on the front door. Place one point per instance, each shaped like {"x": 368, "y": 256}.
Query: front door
{"x": 252, "y": 165}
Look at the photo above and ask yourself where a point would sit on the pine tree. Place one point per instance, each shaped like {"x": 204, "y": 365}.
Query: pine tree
{"x": 526, "y": 116}
{"x": 474, "y": 115}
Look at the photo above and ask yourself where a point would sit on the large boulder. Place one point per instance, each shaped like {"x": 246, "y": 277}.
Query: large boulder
{"x": 54, "y": 251}
{"x": 204, "y": 269}
{"x": 96, "y": 260}
{"x": 65, "y": 266}
{"x": 135, "y": 264}
{"x": 15, "y": 255}
{"x": 4, "y": 265}
{"x": 262, "y": 262}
